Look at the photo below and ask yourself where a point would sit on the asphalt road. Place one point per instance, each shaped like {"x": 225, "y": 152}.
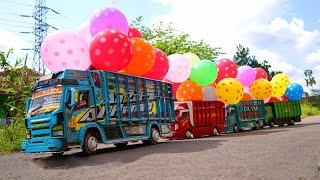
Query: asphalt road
{"x": 278, "y": 153}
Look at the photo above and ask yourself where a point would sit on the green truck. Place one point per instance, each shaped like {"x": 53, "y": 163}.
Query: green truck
{"x": 280, "y": 113}
{"x": 245, "y": 115}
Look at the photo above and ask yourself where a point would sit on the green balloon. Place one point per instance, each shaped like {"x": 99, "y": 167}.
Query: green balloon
{"x": 204, "y": 73}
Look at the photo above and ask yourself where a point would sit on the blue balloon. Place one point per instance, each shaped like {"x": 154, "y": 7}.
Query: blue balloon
{"x": 294, "y": 91}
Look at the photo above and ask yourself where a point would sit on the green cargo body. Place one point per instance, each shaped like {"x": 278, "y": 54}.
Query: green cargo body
{"x": 280, "y": 113}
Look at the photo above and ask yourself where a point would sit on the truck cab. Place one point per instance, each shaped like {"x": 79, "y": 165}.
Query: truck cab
{"x": 83, "y": 108}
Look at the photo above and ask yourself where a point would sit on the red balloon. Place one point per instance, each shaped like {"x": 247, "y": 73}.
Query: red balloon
{"x": 271, "y": 99}
{"x": 134, "y": 32}
{"x": 227, "y": 69}
{"x": 283, "y": 98}
{"x": 260, "y": 73}
{"x": 110, "y": 50}
{"x": 160, "y": 67}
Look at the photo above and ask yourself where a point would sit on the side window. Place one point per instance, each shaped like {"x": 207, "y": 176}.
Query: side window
{"x": 231, "y": 112}
{"x": 184, "y": 115}
{"x": 83, "y": 100}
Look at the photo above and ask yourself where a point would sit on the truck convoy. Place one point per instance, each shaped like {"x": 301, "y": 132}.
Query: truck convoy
{"x": 83, "y": 108}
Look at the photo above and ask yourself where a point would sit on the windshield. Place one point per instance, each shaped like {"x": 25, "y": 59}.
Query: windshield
{"x": 45, "y": 100}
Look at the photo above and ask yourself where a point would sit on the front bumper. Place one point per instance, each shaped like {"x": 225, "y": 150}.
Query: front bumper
{"x": 50, "y": 144}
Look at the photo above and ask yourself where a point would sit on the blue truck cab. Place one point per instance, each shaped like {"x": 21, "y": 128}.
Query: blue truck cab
{"x": 245, "y": 115}
{"x": 83, "y": 108}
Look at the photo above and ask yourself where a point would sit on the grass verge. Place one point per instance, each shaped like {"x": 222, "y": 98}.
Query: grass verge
{"x": 309, "y": 110}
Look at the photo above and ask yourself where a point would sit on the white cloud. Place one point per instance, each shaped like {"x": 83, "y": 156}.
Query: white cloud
{"x": 314, "y": 57}
{"x": 9, "y": 40}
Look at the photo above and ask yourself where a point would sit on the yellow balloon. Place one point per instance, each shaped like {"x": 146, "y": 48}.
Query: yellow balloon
{"x": 192, "y": 58}
{"x": 278, "y": 88}
{"x": 230, "y": 91}
{"x": 283, "y": 78}
{"x": 261, "y": 89}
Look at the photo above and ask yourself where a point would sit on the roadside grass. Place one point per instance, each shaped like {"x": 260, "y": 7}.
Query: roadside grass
{"x": 11, "y": 136}
{"x": 309, "y": 110}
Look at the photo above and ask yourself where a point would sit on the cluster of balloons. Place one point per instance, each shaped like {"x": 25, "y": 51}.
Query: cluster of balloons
{"x": 105, "y": 42}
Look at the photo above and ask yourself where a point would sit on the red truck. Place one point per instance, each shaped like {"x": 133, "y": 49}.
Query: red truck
{"x": 198, "y": 118}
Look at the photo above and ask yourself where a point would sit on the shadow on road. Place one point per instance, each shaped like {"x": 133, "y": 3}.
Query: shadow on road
{"x": 127, "y": 155}
{"x": 257, "y": 132}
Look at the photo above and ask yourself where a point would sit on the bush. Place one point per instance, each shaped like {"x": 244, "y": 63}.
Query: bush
{"x": 12, "y": 135}
{"x": 309, "y": 110}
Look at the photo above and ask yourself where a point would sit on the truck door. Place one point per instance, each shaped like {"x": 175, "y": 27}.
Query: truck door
{"x": 81, "y": 110}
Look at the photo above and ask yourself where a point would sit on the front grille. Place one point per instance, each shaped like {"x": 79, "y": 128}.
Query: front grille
{"x": 40, "y": 127}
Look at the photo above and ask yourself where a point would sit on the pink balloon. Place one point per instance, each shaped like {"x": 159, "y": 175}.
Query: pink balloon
{"x": 84, "y": 32}
{"x": 246, "y": 75}
{"x": 63, "y": 50}
{"x": 161, "y": 66}
{"x": 260, "y": 73}
{"x": 179, "y": 68}
{"x": 108, "y": 18}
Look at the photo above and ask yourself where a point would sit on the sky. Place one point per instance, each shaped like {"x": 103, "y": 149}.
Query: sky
{"x": 284, "y": 32}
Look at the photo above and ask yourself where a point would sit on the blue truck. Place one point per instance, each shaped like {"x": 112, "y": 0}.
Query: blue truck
{"x": 83, "y": 108}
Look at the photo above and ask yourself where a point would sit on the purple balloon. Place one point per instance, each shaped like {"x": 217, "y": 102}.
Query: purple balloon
{"x": 246, "y": 75}
{"x": 108, "y": 18}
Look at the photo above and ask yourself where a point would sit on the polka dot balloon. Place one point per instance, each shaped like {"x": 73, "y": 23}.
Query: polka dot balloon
{"x": 142, "y": 58}
{"x": 278, "y": 88}
{"x": 226, "y": 69}
{"x": 294, "y": 91}
{"x": 283, "y": 78}
{"x": 189, "y": 90}
{"x": 179, "y": 68}
{"x": 230, "y": 91}
{"x": 161, "y": 66}
{"x": 110, "y": 50}
{"x": 63, "y": 50}
{"x": 261, "y": 89}
{"x": 134, "y": 32}
{"x": 260, "y": 73}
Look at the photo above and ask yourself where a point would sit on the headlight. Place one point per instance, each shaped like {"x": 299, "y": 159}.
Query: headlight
{"x": 28, "y": 133}
{"x": 57, "y": 133}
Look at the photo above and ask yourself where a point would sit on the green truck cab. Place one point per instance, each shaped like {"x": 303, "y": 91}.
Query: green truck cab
{"x": 245, "y": 115}
{"x": 280, "y": 113}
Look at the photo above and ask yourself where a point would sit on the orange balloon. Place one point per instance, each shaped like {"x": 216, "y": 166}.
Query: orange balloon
{"x": 246, "y": 97}
{"x": 189, "y": 90}
{"x": 142, "y": 58}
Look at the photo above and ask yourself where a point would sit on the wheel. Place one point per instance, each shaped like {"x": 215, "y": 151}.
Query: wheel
{"x": 90, "y": 144}
{"x": 215, "y": 132}
{"x": 189, "y": 135}
{"x": 257, "y": 126}
{"x": 154, "y": 139}
{"x": 271, "y": 123}
{"x": 235, "y": 129}
{"x": 121, "y": 145}
{"x": 291, "y": 123}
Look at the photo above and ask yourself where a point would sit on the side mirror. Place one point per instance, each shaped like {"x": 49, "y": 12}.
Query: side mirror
{"x": 74, "y": 97}
{"x": 28, "y": 103}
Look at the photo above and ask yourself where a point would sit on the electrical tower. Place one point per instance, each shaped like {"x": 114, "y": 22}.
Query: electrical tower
{"x": 40, "y": 30}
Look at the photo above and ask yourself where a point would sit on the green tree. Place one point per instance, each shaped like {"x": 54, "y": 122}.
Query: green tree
{"x": 243, "y": 58}
{"x": 16, "y": 81}
{"x": 310, "y": 81}
{"x": 171, "y": 41}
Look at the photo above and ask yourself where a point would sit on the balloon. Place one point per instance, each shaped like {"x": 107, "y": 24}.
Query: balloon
{"x": 134, "y": 32}
{"x": 110, "y": 50}
{"x": 271, "y": 99}
{"x": 204, "y": 73}
{"x": 84, "y": 33}
{"x": 246, "y": 75}
{"x": 65, "y": 50}
{"x": 260, "y": 73}
{"x": 142, "y": 58}
{"x": 283, "y": 98}
{"x": 226, "y": 68}
{"x": 175, "y": 87}
{"x": 278, "y": 86}
{"x": 246, "y": 97}
{"x": 192, "y": 58}
{"x": 179, "y": 68}
{"x": 230, "y": 91}
{"x": 160, "y": 67}
{"x": 261, "y": 89}
{"x": 282, "y": 77}
{"x": 294, "y": 92}
{"x": 189, "y": 90}
{"x": 209, "y": 93}
{"x": 108, "y": 18}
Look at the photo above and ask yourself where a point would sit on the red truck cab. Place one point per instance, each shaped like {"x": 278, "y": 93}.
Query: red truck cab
{"x": 198, "y": 118}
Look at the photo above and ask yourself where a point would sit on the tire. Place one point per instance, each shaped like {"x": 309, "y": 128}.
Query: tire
{"x": 215, "y": 131}
{"x": 189, "y": 134}
{"x": 235, "y": 129}
{"x": 90, "y": 144}
{"x": 154, "y": 138}
{"x": 291, "y": 123}
{"x": 271, "y": 123}
{"x": 121, "y": 145}
{"x": 257, "y": 126}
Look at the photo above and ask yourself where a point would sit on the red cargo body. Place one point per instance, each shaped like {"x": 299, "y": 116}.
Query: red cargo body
{"x": 198, "y": 118}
